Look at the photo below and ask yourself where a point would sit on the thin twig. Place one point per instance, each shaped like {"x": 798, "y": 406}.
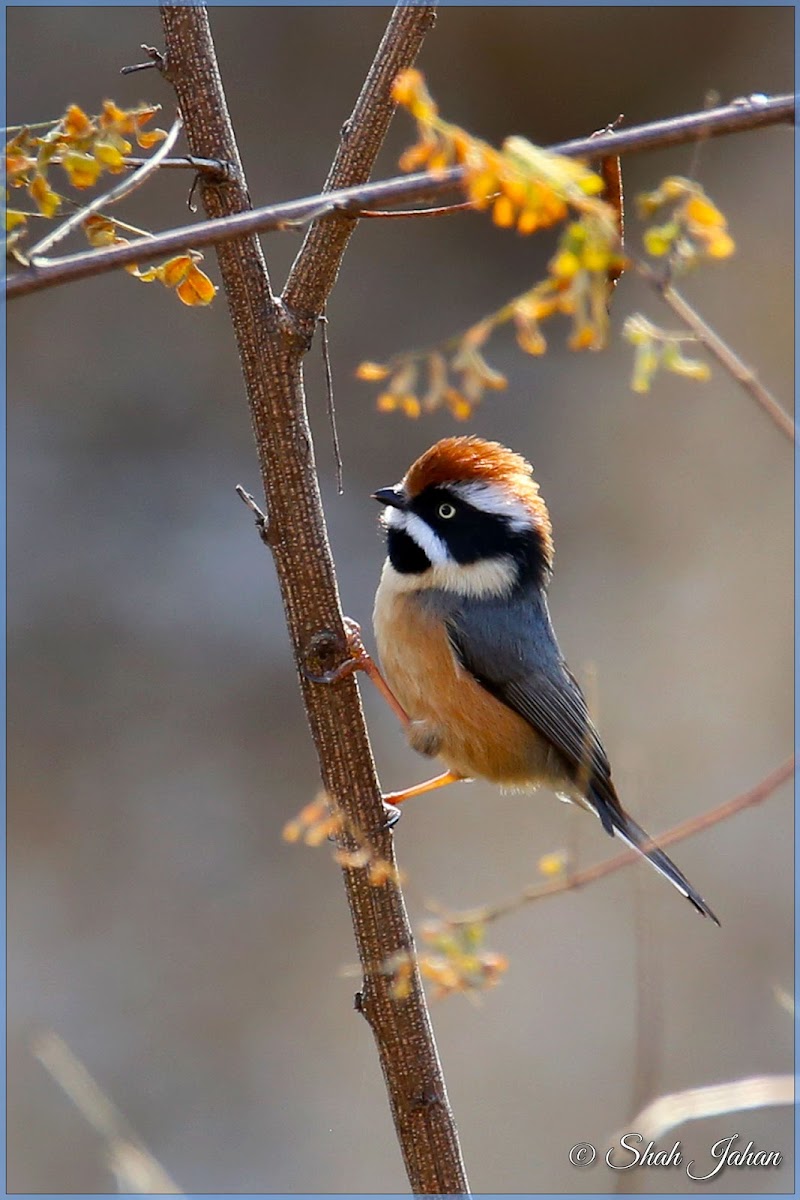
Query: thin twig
{"x": 717, "y": 1099}
{"x": 733, "y": 118}
{"x": 326, "y": 359}
{"x": 211, "y": 166}
{"x": 136, "y": 1169}
{"x": 261, "y": 518}
{"x": 444, "y": 210}
{"x": 155, "y": 59}
{"x": 124, "y": 188}
{"x": 720, "y": 350}
{"x": 678, "y": 833}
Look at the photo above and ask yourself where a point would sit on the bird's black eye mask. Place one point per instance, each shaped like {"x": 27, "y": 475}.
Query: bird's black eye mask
{"x": 473, "y": 535}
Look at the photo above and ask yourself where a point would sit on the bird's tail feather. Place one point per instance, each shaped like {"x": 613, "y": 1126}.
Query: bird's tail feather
{"x": 627, "y": 829}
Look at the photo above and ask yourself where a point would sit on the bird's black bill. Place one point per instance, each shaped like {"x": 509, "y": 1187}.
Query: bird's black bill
{"x": 390, "y": 496}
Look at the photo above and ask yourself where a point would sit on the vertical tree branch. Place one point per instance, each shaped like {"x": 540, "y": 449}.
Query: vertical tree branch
{"x": 273, "y": 335}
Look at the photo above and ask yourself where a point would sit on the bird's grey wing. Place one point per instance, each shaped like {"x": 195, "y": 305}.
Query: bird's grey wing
{"x": 510, "y": 649}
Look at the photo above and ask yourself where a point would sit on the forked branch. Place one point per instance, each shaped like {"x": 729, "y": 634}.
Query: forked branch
{"x": 273, "y": 335}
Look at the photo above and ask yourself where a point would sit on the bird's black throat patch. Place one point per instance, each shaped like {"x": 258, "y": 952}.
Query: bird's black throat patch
{"x": 405, "y": 555}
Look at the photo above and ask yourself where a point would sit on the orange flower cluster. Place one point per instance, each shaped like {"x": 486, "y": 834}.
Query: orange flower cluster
{"x": 321, "y": 820}
{"x": 526, "y": 186}
{"x": 83, "y": 146}
{"x": 465, "y": 360}
{"x": 578, "y": 286}
{"x": 192, "y": 286}
{"x": 457, "y": 962}
{"x": 696, "y": 229}
{"x": 657, "y": 349}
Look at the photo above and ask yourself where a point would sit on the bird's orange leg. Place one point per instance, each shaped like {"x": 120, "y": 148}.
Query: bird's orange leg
{"x": 419, "y": 789}
{"x": 361, "y": 660}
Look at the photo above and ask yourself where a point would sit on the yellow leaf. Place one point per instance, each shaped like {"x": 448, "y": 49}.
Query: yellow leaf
{"x": 100, "y": 231}
{"x": 721, "y": 245}
{"x": 553, "y": 864}
{"x": 196, "y": 289}
{"x": 660, "y": 239}
{"x": 43, "y": 195}
{"x": 503, "y": 212}
{"x": 410, "y": 91}
{"x": 14, "y": 218}
{"x": 114, "y": 117}
{"x": 565, "y": 265}
{"x": 76, "y": 124}
{"x": 110, "y": 154}
{"x": 146, "y": 140}
{"x": 83, "y": 169}
{"x": 386, "y": 402}
{"x": 371, "y": 371}
{"x": 176, "y": 269}
{"x": 458, "y": 404}
{"x": 703, "y": 212}
{"x": 410, "y": 405}
{"x": 585, "y": 338}
{"x": 416, "y": 156}
{"x": 528, "y": 222}
{"x": 149, "y": 275}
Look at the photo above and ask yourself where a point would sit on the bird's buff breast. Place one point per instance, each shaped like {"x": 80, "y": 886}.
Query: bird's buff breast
{"x": 453, "y": 716}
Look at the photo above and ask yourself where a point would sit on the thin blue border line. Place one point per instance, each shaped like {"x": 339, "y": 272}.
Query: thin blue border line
{"x": 3, "y": 595}
{"x": 796, "y": 580}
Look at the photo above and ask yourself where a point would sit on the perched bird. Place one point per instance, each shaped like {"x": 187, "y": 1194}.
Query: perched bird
{"x": 466, "y": 644}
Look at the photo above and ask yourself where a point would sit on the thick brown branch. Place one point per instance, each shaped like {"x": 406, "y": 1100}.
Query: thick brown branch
{"x": 317, "y": 265}
{"x": 271, "y": 353}
{"x": 678, "y": 833}
{"x": 732, "y": 118}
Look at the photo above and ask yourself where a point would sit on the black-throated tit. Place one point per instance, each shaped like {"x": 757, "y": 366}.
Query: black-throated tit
{"x": 466, "y": 644}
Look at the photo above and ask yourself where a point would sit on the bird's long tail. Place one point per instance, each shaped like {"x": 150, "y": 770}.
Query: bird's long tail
{"x": 626, "y": 828}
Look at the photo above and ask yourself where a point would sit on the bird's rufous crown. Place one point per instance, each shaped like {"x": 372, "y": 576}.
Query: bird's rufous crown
{"x": 472, "y": 460}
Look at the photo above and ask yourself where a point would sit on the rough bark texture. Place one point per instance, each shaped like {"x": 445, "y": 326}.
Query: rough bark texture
{"x": 272, "y": 338}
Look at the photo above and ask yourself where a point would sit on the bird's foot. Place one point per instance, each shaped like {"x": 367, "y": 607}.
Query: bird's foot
{"x": 360, "y": 660}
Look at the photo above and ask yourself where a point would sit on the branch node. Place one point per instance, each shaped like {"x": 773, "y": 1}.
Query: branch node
{"x": 320, "y": 655}
{"x": 261, "y": 518}
{"x": 156, "y": 61}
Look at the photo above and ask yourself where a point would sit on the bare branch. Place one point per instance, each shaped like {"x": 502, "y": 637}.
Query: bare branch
{"x": 720, "y": 350}
{"x": 272, "y": 347}
{"x": 124, "y": 188}
{"x": 715, "y": 1100}
{"x": 136, "y": 1169}
{"x": 317, "y": 264}
{"x": 212, "y": 166}
{"x": 678, "y": 833}
{"x": 732, "y": 118}
{"x": 326, "y": 360}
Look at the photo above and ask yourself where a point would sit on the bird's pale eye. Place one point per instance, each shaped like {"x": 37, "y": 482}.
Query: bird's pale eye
{"x": 446, "y": 511}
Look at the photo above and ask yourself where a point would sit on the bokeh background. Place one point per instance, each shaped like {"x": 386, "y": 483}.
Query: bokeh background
{"x": 157, "y": 745}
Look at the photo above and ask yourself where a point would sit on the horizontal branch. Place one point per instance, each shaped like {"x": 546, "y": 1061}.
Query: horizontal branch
{"x": 741, "y": 115}
{"x": 577, "y": 879}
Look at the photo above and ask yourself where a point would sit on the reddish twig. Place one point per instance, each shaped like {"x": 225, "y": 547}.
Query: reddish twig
{"x": 678, "y": 833}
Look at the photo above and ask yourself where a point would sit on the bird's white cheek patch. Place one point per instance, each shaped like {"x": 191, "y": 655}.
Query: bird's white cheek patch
{"x": 488, "y": 577}
{"x": 417, "y": 529}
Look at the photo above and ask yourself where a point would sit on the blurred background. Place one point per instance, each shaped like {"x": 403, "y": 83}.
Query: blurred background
{"x": 157, "y": 744}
